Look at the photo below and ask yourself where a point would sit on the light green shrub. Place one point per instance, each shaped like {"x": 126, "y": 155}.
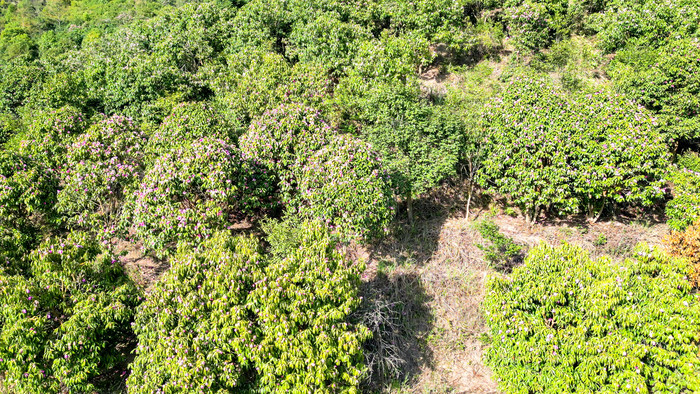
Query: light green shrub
{"x": 565, "y": 323}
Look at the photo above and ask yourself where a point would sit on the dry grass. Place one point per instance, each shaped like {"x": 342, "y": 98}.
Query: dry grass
{"x": 437, "y": 275}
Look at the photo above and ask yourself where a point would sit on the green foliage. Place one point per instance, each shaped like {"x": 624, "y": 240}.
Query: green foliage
{"x": 570, "y": 153}
{"x": 283, "y": 140}
{"x": 566, "y": 323}
{"x": 502, "y": 251}
{"x": 419, "y": 143}
{"x": 196, "y": 331}
{"x": 27, "y": 192}
{"x": 345, "y": 185}
{"x": 645, "y": 23}
{"x": 256, "y": 81}
{"x": 303, "y": 304}
{"x": 528, "y": 25}
{"x": 684, "y": 208}
{"x": 101, "y": 165}
{"x": 192, "y": 191}
{"x": 667, "y": 82}
{"x": 225, "y": 318}
{"x": 186, "y": 123}
{"x": 65, "y": 321}
{"x": 49, "y": 136}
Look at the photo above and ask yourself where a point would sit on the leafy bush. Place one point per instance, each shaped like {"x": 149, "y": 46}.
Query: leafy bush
{"x": 192, "y": 191}
{"x": 225, "y": 318}
{"x": 687, "y": 244}
{"x": 188, "y": 122}
{"x": 502, "y": 252}
{"x": 195, "y": 331}
{"x": 667, "y": 82}
{"x": 528, "y": 25}
{"x": 283, "y": 140}
{"x": 67, "y": 319}
{"x": 645, "y": 23}
{"x": 684, "y": 208}
{"x": 570, "y": 153}
{"x": 100, "y": 166}
{"x": 303, "y": 303}
{"x": 257, "y": 81}
{"x": 568, "y": 323}
{"x": 49, "y": 135}
{"x": 345, "y": 185}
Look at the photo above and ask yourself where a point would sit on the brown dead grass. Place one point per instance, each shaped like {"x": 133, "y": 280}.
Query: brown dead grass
{"x": 440, "y": 254}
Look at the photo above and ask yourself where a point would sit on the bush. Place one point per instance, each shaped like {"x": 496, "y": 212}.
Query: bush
{"x": 546, "y": 149}
{"x": 192, "y": 191}
{"x": 345, "y": 186}
{"x": 283, "y": 140}
{"x": 27, "y": 192}
{"x": 100, "y": 167}
{"x": 66, "y": 321}
{"x": 224, "y": 318}
{"x": 567, "y": 323}
{"x": 687, "y": 244}
{"x": 528, "y": 26}
{"x": 502, "y": 252}
{"x": 665, "y": 81}
{"x": 196, "y": 332}
{"x": 684, "y": 208}
{"x": 188, "y": 122}
{"x": 303, "y": 303}
{"x": 49, "y": 135}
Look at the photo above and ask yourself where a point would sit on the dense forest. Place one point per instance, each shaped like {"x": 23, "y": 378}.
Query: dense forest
{"x": 264, "y": 154}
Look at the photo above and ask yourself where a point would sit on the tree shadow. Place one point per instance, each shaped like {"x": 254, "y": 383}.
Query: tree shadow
{"x": 396, "y": 311}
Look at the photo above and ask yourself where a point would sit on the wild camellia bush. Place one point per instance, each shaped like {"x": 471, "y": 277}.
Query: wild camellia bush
{"x": 193, "y": 191}
{"x": 303, "y": 305}
{"x": 345, "y": 185}
{"x": 100, "y": 166}
{"x": 684, "y": 208}
{"x": 546, "y": 149}
{"x": 195, "y": 331}
{"x": 283, "y": 139}
{"x": 188, "y": 122}
{"x": 224, "y": 318}
{"x": 566, "y": 323}
{"x": 50, "y": 134}
{"x": 66, "y": 320}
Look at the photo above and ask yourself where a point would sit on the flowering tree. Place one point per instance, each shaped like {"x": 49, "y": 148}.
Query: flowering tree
{"x": 64, "y": 320}
{"x": 100, "y": 166}
{"x": 188, "y": 122}
{"x": 194, "y": 190}
{"x": 549, "y": 150}
{"x": 283, "y": 139}
{"x": 345, "y": 185}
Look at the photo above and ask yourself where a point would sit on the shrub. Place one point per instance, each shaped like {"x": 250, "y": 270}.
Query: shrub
{"x": 188, "y": 122}
{"x": 27, "y": 191}
{"x": 192, "y": 191}
{"x": 283, "y": 140}
{"x": 49, "y": 135}
{"x": 568, "y": 323}
{"x": 224, "y": 318}
{"x": 528, "y": 25}
{"x": 195, "y": 331}
{"x": 566, "y": 153}
{"x": 684, "y": 208}
{"x": 303, "y": 303}
{"x": 345, "y": 185}
{"x": 502, "y": 252}
{"x": 100, "y": 166}
{"x": 687, "y": 244}
{"x": 66, "y": 320}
